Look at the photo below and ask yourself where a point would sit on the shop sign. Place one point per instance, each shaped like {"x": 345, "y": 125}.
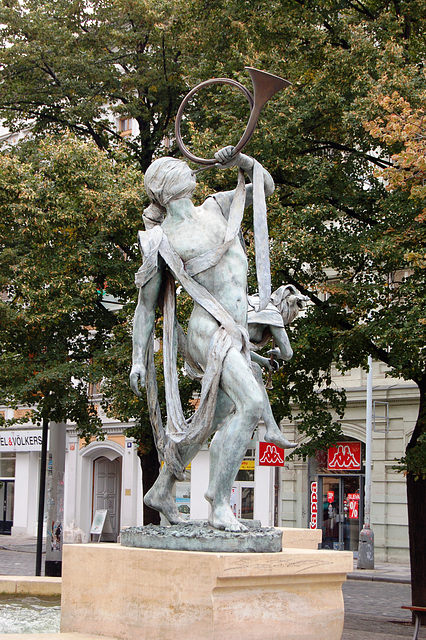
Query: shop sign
{"x": 330, "y": 496}
{"x": 20, "y": 440}
{"x": 345, "y": 456}
{"x": 270, "y": 455}
{"x": 247, "y": 465}
{"x": 314, "y": 505}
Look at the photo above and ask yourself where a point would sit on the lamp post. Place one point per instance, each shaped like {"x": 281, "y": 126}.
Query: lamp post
{"x": 42, "y": 491}
{"x": 366, "y": 536}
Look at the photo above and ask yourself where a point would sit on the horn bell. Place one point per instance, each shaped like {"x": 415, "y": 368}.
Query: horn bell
{"x": 265, "y": 85}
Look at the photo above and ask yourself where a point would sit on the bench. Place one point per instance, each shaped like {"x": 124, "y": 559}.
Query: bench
{"x": 417, "y": 611}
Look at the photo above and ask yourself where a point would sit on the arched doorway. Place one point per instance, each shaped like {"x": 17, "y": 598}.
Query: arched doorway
{"x": 107, "y": 492}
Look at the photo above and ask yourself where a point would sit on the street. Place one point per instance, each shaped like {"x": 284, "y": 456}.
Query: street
{"x": 373, "y": 611}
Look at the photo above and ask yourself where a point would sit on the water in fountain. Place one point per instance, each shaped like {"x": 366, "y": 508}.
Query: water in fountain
{"x": 29, "y": 615}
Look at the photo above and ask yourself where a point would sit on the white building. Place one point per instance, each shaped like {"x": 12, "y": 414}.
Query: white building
{"x": 331, "y": 500}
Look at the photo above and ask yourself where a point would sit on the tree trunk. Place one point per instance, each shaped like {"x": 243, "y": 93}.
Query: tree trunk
{"x": 150, "y": 470}
{"x": 416, "y": 502}
{"x": 416, "y": 499}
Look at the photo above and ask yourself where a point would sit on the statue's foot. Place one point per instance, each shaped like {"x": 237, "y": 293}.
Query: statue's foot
{"x": 209, "y": 497}
{"x": 165, "y": 504}
{"x": 222, "y": 518}
{"x": 276, "y": 437}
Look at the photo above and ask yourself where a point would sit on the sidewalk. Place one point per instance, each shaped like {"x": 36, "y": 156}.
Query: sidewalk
{"x": 383, "y": 572}
{"x": 18, "y": 556}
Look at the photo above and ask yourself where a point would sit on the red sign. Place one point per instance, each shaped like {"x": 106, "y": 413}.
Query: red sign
{"x": 354, "y": 509}
{"x": 270, "y": 455}
{"x": 353, "y": 496}
{"x": 330, "y": 496}
{"x": 314, "y": 505}
{"x": 345, "y": 456}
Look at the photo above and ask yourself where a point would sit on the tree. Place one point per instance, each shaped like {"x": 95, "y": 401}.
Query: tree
{"x": 81, "y": 65}
{"x": 69, "y": 220}
{"x": 403, "y": 127}
{"x": 351, "y": 242}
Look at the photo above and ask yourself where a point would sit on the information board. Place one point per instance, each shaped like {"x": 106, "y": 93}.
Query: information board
{"x": 101, "y": 523}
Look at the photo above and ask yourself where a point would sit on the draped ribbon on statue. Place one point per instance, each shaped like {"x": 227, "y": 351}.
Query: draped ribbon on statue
{"x": 261, "y": 237}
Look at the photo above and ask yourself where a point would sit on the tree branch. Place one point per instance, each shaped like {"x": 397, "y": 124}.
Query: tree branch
{"x": 329, "y": 144}
{"x": 342, "y": 323}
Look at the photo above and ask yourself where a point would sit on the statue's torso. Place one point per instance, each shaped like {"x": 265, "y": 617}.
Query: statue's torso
{"x": 200, "y": 230}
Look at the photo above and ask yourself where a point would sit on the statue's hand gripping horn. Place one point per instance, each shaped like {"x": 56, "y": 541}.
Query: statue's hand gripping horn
{"x": 265, "y": 85}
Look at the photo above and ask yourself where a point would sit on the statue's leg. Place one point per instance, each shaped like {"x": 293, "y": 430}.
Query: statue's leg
{"x": 160, "y": 496}
{"x": 282, "y": 342}
{"x": 273, "y": 433}
{"x": 224, "y": 412}
{"x": 241, "y": 387}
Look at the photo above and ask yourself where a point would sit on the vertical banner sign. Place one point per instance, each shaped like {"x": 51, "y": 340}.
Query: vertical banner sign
{"x": 314, "y": 505}
{"x": 345, "y": 456}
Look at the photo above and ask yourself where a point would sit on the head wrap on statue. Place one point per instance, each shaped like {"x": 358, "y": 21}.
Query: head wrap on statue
{"x": 169, "y": 179}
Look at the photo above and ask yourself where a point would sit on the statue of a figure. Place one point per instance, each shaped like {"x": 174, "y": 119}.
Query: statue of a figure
{"x": 200, "y": 248}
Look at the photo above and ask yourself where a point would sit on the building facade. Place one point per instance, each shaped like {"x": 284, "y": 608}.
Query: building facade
{"x": 326, "y": 492}
{"x": 313, "y": 494}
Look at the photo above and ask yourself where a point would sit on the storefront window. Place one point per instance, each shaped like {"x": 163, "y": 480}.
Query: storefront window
{"x": 337, "y": 500}
{"x": 183, "y": 494}
{"x": 242, "y": 496}
{"x": 7, "y": 465}
{"x": 246, "y": 471}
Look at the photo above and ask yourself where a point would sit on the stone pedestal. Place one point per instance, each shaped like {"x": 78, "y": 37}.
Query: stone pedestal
{"x": 147, "y": 594}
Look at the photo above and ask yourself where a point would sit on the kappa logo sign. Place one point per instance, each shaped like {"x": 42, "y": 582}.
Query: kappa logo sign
{"x": 270, "y": 455}
{"x": 314, "y": 505}
{"x": 345, "y": 456}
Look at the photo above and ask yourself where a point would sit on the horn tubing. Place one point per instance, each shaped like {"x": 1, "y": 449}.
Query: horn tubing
{"x": 265, "y": 85}
{"x": 206, "y": 83}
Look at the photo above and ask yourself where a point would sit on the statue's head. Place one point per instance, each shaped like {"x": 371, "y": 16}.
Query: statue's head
{"x": 289, "y": 302}
{"x": 168, "y": 179}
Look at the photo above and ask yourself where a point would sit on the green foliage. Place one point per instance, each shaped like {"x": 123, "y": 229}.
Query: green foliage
{"x": 343, "y": 232}
{"x": 347, "y": 235}
{"x": 414, "y": 462}
{"x": 68, "y": 221}
{"x": 82, "y": 65}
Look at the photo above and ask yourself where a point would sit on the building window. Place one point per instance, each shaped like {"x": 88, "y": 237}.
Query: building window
{"x": 94, "y": 389}
{"x": 125, "y": 127}
{"x": 7, "y": 465}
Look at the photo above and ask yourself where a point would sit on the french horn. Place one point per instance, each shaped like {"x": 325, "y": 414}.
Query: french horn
{"x": 265, "y": 85}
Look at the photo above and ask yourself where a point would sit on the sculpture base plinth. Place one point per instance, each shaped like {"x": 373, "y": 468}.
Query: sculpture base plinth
{"x": 142, "y": 594}
{"x": 200, "y": 536}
